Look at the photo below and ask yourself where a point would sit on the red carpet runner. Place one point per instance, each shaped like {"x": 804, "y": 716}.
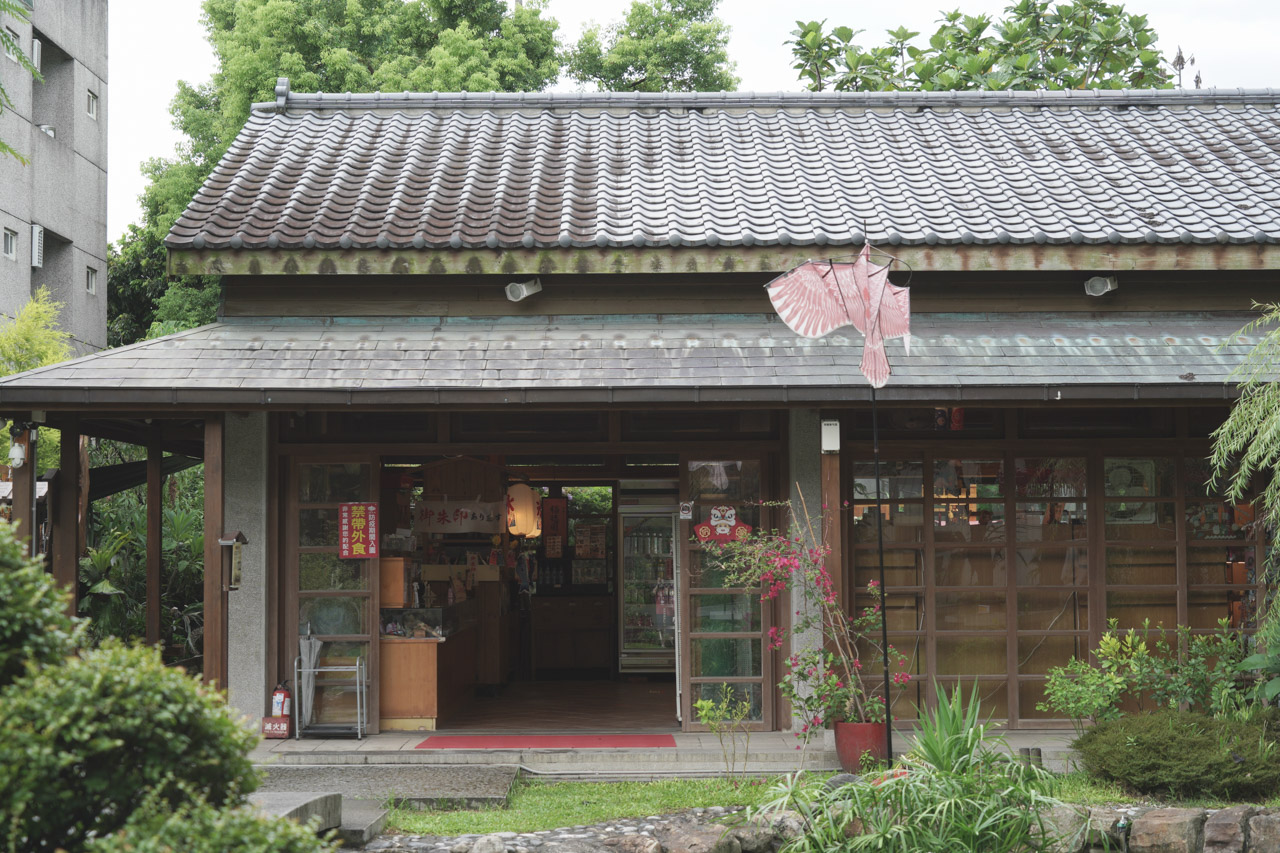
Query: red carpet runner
{"x": 547, "y": 742}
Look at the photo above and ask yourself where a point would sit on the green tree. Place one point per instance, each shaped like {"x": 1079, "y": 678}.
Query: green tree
{"x": 13, "y": 8}
{"x": 354, "y": 46}
{"x": 30, "y": 340}
{"x": 659, "y": 46}
{"x": 1084, "y": 44}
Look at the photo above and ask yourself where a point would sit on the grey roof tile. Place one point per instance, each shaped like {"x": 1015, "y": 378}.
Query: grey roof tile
{"x": 477, "y": 171}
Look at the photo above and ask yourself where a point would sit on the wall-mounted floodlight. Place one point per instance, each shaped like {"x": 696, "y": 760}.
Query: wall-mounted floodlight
{"x": 518, "y": 290}
{"x": 1100, "y": 285}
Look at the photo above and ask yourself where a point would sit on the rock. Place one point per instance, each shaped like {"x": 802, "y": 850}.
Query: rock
{"x": 489, "y": 844}
{"x": 1107, "y": 827}
{"x": 1065, "y": 828}
{"x": 1168, "y": 831}
{"x": 460, "y": 847}
{"x": 634, "y": 844}
{"x": 755, "y": 839}
{"x": 505, "y": 835}
{"x": 841, "y": 779}
{"x": 696, "y": 838}
{"x": 1264, "y": 832}
{"x": 788, "y": 825}
{"x": 1225, "y": 831}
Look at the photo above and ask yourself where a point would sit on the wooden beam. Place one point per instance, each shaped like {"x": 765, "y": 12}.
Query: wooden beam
{"x": 24, "y": 492}
{"x": 215, "y": 590}
{"x": 832, "y": 524}
{"x": 155, "y": 533}
{"x": 704, "y": 259}
{"x": 65, "y": 538}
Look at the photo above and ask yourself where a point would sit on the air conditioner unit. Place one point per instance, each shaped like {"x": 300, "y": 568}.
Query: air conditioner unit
{"x": 37, "y": 48}
{"x": 37, "y": 246}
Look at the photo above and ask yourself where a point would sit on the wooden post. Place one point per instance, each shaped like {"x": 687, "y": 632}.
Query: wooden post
{"x": 24, "y": 493}
{"x": 65, "y": 539}
{"x": 215, "y": 590}
{"x": 155, "y": 537}
{"x": 833, "y": 525}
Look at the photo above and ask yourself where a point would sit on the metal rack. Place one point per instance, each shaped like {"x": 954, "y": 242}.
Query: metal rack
{"x": 358, "y": 729}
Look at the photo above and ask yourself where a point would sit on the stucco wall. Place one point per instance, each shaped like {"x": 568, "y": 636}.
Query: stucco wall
{"x": 804, "y": 448}
{"x": 245, "y": 509}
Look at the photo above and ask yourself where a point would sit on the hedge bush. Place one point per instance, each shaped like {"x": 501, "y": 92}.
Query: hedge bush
{"x": 35, "y": 629}
{"x": 198, "y": 827}
{"x": 83, "y": 744}
{"x": 1180, "y": 754}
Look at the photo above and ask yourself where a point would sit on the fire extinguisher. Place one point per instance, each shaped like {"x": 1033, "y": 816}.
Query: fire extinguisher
{"x": 281, "y": 700}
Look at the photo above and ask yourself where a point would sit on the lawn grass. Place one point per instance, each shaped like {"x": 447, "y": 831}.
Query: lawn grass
{"x": 1079, "y": 788}
{"x": 535, "y": 805}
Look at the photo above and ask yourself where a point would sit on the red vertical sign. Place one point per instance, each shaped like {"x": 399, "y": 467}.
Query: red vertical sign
{"x": 357, "y": 531}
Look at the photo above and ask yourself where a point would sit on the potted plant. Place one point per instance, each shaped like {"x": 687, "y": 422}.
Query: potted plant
{"x": 838, "y": 681}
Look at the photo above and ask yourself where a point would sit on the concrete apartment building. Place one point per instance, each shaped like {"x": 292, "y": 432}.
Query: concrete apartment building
{"x": 53, "y": 211}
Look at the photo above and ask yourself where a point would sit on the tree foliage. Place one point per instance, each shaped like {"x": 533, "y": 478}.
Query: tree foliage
{"x": 33, "y": 338}
{"x": 1083, "y": 44}
{"x": 14, "y": 9}
{"x": 659, "y": 46}
{"x": 35, "y": 629}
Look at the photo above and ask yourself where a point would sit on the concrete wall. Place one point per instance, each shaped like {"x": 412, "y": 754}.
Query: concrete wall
{"x": 64, "y": 187}
{"x": 804, "y": 450}
{"x": 245, "y": 509}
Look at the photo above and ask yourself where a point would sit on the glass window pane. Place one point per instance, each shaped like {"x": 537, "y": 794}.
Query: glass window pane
{"x": 717, "y": 614}
{"x": 318, "y": 527}
{"x": 589, "y": 500}
{"x": 1206, "y": 607}
{"x": 1221, "y": 565}
{"x": 1037, "y": 655}
{"x": 726, "y": 515}
{"x": 1198, "y": 473}
{"x": 903, "y": 611}
{"x": 1153, "y": 566}
{"x": 706, "y": 571}
{"x": 1051, "y": 522}
{"x": 982, "y": 567}
{"x": 1049, "y": 610}
{"x": 1138, "y": 478}
{"x": 901, "y": 568}
{"x": 1052, "y": 567}
{"x": 911, "y": 645}
{"x": 1139, "y": 520}
{"x": 1130, "y": 609}
{"x": 968, "y": 478}
{"x": 333, "y": 615}
{"x": 1050, "y": 477}
{"x": 978, "y": 521}
{"x": 725, "y": 657}
{"x": 332, "y": 483}
{"x": 725, "y": 481}
{"x": 970, "y": 611}
{"x": 1030, "y": 694}
{"x": 898, "y": 479}
{"x": 749, "y": 693}
{"x": 1213, "y": 520}
{"x": 993, "y": 696}
{"x": 902, "y": 522}
{"x": 326, "y": 571}
{"x": 972, "y": 656}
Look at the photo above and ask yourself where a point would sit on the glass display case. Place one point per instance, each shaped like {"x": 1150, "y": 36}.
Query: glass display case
{"x": 647, "y": 591}
{"x": 426, "y": 622}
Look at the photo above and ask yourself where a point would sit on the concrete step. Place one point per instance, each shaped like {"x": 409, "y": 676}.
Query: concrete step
{"x": 673, "y": 760}
{"x": 301, "y": 806}
{"x": 362, "y": 821}
{"x": 412, "y": 785}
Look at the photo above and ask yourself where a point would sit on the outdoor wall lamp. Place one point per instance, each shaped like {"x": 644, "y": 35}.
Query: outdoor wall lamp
{"x": 518, "y": 290}
{"x": 1100, "y": 285}
{"x": 231, "y": 548}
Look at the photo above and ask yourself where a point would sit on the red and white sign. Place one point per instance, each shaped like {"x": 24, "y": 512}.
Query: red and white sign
{"x": 276, "y": 727}
{"x": 458, "y": 517}
{"x": 722, "y": 526}
{"x": 357, "y": 531}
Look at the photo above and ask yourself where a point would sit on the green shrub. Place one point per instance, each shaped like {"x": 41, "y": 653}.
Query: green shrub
{"x": 34, "y": 626}
{"x": 84, "y": 743}
{"x": 1180, "y": 754}
{"x": 198, "y": 827}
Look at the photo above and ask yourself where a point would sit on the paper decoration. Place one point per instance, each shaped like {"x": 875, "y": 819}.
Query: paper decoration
{"x": 589, "y": 541}
{"x": 357, "y": 531}
{"x": 458, "y": 517}
{"x": 722, "y": 525}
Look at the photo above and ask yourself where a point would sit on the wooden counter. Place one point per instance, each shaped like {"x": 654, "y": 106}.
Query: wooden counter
{"x": 421, "y": 681}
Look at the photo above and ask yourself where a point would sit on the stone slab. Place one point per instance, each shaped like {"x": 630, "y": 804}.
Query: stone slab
{"x": 362, "y": 821}
{"x": 301, "y": 806}
{"x": 469, "y": 786}
{"x": 1168, "y": 831}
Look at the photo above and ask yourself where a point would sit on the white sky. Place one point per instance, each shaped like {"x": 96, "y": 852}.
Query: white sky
{"x": 155, "y": 43}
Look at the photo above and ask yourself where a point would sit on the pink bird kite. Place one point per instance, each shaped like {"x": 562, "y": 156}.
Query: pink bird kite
{"x": 818, "y": 297}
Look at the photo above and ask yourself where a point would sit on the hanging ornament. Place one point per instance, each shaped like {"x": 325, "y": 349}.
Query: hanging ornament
{"x": 524, "y": 511}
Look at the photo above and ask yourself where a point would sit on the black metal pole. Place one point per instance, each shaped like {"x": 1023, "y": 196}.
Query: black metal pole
{"x": 884, "y": 601}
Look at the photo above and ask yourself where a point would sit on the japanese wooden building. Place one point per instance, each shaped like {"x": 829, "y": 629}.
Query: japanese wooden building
{"x": 383, "y": 340}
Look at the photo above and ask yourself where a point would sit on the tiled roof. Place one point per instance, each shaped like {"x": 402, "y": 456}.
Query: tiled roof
{"x": 615, "y": 359}
{"x": 461, "y": 171}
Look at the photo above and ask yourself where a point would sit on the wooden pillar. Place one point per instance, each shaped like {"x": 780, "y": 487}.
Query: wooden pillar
{"x": 155, "y": 528}
{"x": 65, "y": 539}
{"x": 24, "y": 492}
{"x": 215, "y": 590}
{"x": 833, "y": 525}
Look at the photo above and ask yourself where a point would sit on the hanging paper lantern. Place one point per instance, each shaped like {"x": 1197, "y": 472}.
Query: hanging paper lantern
{"x": 524, "y": 511}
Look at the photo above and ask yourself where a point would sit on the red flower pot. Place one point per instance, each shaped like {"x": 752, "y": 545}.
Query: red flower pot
{"x": 855, "y": 739}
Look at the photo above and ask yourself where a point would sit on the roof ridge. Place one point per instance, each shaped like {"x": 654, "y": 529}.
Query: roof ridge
{"x": 287, "y": 99}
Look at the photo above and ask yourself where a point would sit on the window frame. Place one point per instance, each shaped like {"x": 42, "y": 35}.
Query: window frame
{"x": 17, "y": 45}
{"x": 91, "y": 105}
{"x": 91, "y": 280}
{"x": 9, "y": 244}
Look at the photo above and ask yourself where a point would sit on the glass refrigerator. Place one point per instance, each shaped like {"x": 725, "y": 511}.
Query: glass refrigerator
{"x": 647, "y": 590}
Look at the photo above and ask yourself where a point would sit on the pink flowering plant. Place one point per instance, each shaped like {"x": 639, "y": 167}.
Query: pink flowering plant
{"x": 840, "y": 679}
